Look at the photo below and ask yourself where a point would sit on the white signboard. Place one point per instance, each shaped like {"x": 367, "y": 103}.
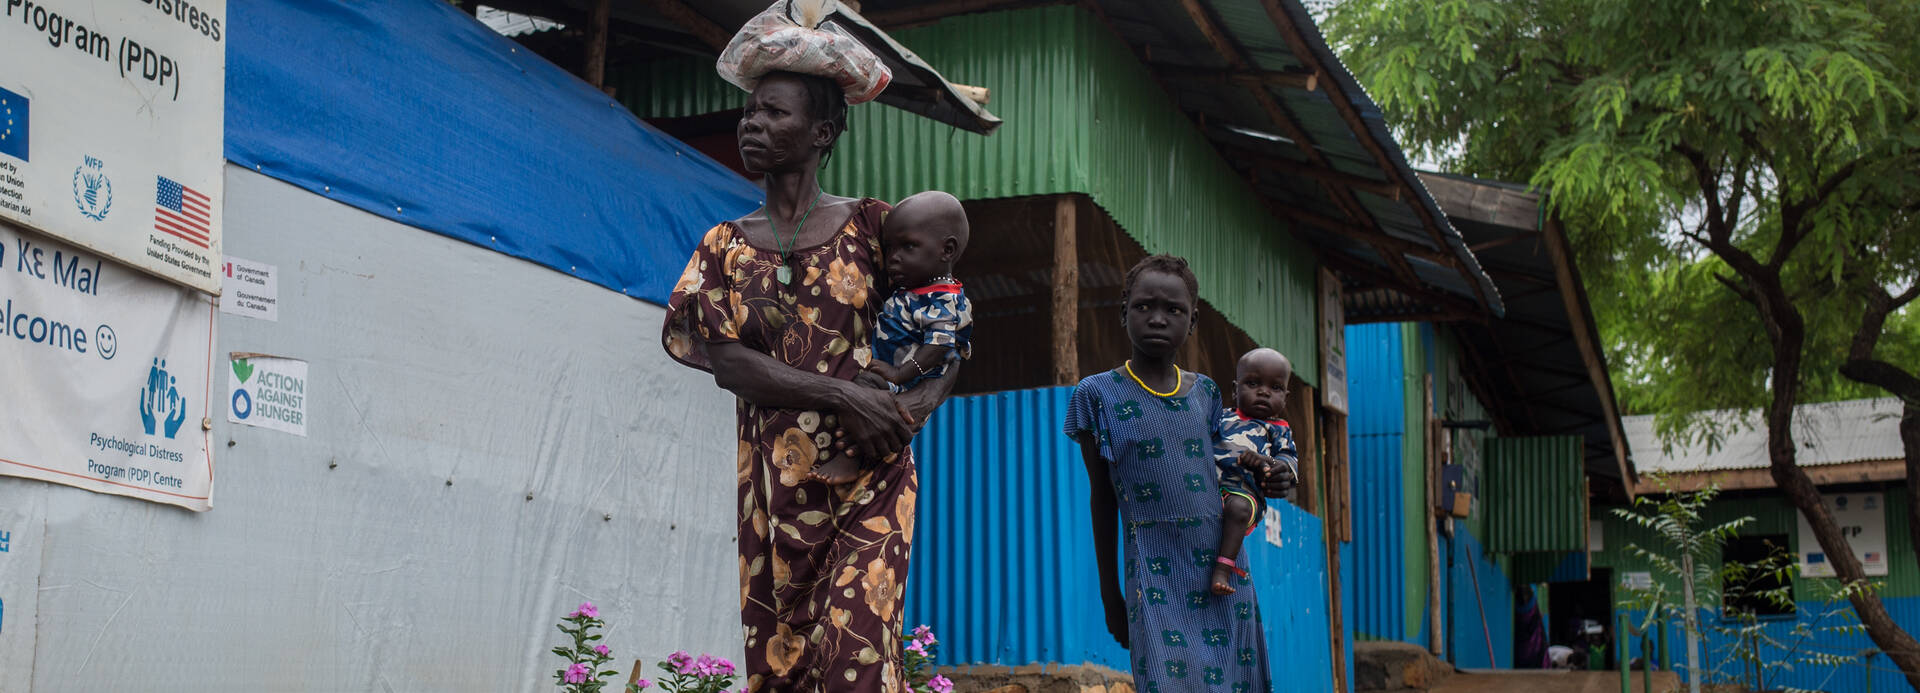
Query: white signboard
{"x": 1863, "y": 521}
{"x": 1333, "y": 344}
{"x": 108, "y": 371}
{"x": 250, "y": 289}
{"x": 269, "y": 392}
{"x": 1272, "y": 518}
{"x": 1637, "y": 580}
{"x": 111, "y": 118}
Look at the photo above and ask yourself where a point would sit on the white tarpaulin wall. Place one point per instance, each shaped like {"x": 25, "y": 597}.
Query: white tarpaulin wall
{"x": 345, "y": 560}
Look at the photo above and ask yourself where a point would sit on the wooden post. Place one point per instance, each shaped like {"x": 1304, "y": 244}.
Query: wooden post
{"x": 1337, "y": 527}
{"x": 1336, "y": 618}
{"x": 1066, "y": 292}
{"x": 595, "y": 71}
{"x": 1301, "y": 414}
{"x": 1436, "y": 638}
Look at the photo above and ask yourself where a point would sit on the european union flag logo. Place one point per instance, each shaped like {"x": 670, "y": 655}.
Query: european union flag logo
{"x": 13, "y": 125}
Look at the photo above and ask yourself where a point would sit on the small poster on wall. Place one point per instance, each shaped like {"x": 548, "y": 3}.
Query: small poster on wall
{"x": 1333, "y": 345}
{"x": 1863, "y": 521}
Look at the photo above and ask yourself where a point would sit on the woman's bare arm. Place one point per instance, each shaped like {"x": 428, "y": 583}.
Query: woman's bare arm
{"x": 871, "y": 417}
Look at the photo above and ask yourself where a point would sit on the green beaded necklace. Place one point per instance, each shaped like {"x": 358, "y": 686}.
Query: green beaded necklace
{"x": 785, "y": 273}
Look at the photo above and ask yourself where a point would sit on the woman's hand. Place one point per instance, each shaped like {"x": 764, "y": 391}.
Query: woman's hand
{"x": 876, "y": 425}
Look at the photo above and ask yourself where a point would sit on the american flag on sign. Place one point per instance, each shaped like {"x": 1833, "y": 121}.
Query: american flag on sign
{"x": 181, "y": 211}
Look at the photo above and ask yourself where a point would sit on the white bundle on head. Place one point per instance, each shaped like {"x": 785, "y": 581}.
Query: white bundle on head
{"x": 790, "y": 37}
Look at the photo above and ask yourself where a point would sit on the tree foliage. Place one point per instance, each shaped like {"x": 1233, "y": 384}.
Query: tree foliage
{"x": 1792, "y": 125}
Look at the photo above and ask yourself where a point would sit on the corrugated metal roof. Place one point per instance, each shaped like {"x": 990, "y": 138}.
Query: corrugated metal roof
{"x": 1860, "y": 430}
{"x": 1530, "y": 363}
{"x": 1267, "y": 41}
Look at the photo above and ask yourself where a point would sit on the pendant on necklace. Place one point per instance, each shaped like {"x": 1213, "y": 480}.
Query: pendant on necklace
{"x": 784, "y": 274}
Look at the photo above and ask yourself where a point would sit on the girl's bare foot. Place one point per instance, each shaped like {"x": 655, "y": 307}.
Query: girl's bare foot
{"x": 839, "y": 470}
{"x": 1223, "y": 574}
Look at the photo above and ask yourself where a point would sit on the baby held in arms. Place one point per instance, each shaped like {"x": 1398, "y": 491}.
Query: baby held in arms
{"x": 927, "y": 322}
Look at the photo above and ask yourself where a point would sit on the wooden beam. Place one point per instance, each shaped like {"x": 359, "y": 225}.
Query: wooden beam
{"x": 1573, "y": 298}
{"x": 1346, "y": 264}
{"x": 1510, "y": 239}
{"x": 695, "y": 23}
{"x": 1066, "y": 292}
{"x": 1484, "y": 203}
{"x": 594, "y": 72}
{"x": 1378, "y": 239}
{"x": 1302, "y": 413}
{"x": 1320, "y": 173}
{"x": 1306, "y": 80}
{"x": 1217, "y": 36}
{"x": 1746, "y": 479}
{"x": 1343, "y": 104}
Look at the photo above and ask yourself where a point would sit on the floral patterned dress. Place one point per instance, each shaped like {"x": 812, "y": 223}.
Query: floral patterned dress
{"x": 822, "y": 568}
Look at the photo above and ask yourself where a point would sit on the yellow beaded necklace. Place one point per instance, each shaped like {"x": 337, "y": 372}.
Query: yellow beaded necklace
{"x": 1178, "y": 376}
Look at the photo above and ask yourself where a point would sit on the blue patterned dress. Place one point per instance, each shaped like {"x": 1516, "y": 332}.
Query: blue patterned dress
{"x": 1184, "y": 638}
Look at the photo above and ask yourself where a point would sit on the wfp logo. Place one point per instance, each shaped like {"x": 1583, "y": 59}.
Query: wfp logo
{"x": 162, "y": 409}
{"x": 92, "y": 192}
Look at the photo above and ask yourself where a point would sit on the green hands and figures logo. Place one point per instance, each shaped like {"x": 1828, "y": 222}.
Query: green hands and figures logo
{"x": 160, "y": 402}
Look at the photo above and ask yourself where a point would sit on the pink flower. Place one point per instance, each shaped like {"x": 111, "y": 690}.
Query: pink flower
{"x": 577, "y": 673}
{"x": 920, "y": 631}
{"x": 679, "y": 661}
{"x": 642, "y": 684}
{"x": 704, "y": 665}
{"x": 723, "y": 666}
{"x": 940, "y": 684}
{"x": 916, "y": 648}
{"x": 587, "y": 610}
{"x": 601, "y": 650}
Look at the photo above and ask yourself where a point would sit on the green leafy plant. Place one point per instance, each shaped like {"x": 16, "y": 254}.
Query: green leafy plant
{"x": 583, "y": 673}
{"x": 1761, "y": 658}
{"x": 1688, "y": 557}
{"x": 920, "y": 651}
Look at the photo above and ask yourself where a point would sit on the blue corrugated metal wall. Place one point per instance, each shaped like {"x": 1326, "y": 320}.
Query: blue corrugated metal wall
{"x": 1376, "y": 428}
{"x": 1468, "y": 633}
{"x": 1001, "y": 567}
{"x": 1291, "y": 580}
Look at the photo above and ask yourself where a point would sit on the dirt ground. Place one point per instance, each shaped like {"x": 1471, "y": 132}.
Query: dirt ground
{"x": 1483, "y": 681}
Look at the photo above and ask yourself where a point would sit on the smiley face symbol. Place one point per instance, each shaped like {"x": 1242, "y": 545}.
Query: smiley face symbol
{"x": 105, "y": 342}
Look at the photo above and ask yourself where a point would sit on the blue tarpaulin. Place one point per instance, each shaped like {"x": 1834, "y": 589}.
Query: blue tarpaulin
{"x": 413, "y": 110}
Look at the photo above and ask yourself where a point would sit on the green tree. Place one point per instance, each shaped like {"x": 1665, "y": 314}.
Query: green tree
{"x": 1740, "y": 179}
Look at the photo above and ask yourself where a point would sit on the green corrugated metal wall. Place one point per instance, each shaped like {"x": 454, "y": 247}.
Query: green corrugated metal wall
{"x": 673, "y": 88}
{"x": 1535, "y": 490}
{"x": 1081, "y": 115}
{"x": 1772, "y": 515}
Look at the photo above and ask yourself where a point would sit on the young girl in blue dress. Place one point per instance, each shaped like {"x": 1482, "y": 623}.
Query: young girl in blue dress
{"x": 1147, "y": 433}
